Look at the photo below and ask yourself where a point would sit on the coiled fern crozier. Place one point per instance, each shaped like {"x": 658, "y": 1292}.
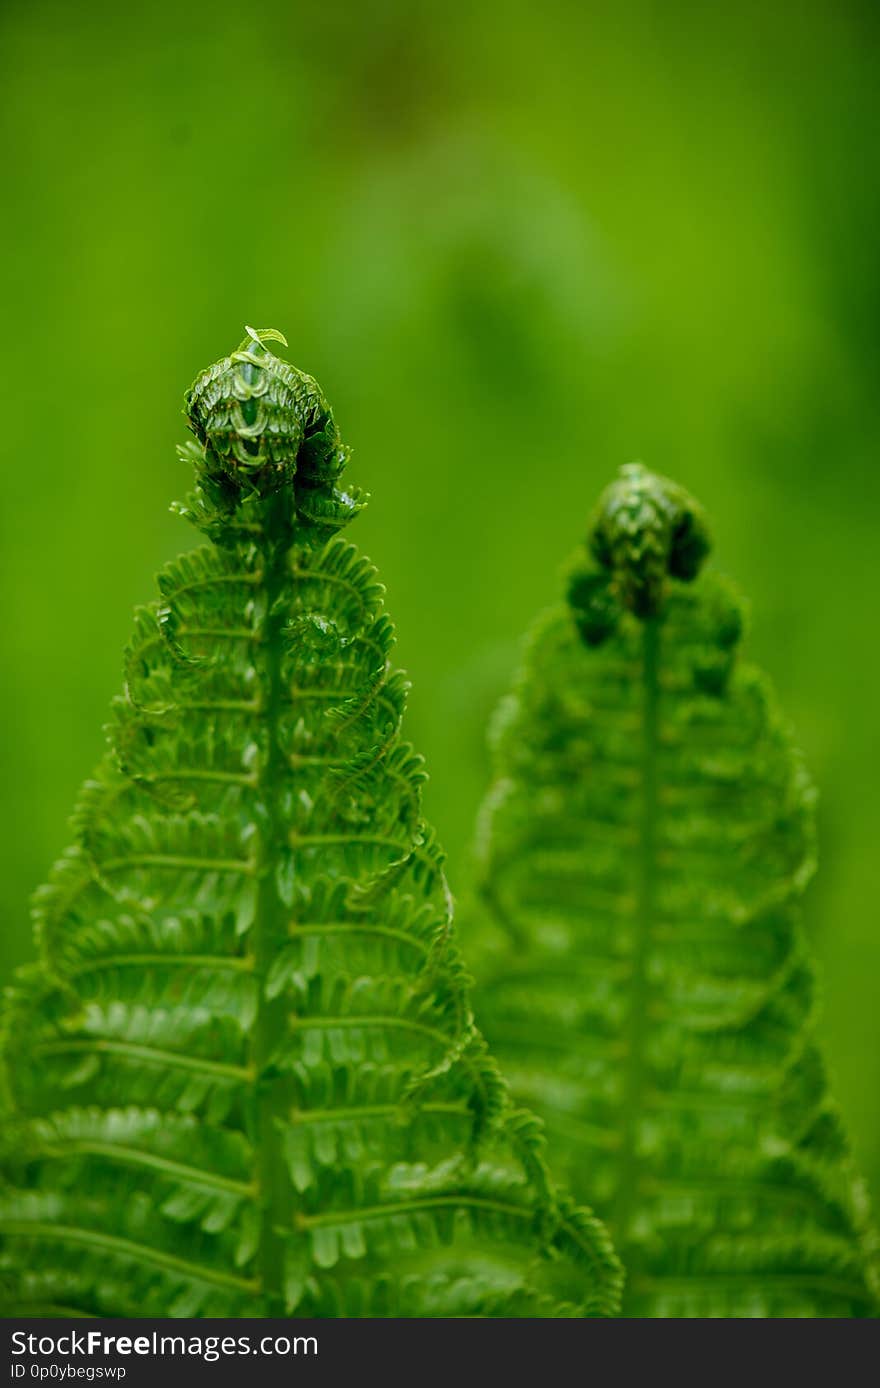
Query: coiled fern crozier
{"x": 244, "y": 1078}
{"x": 642, "y": 972}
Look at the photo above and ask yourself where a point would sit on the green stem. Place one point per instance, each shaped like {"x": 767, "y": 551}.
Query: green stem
{"x": 639, "y": 1002}
{"x": 270, "y": 932}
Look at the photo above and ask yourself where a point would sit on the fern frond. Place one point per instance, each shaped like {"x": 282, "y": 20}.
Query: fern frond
{"x": 642, "y": 973}
{"x": 244, "y": 1078}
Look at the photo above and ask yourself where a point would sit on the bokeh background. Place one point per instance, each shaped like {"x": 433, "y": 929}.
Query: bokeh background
{"x": 518, "y": 245}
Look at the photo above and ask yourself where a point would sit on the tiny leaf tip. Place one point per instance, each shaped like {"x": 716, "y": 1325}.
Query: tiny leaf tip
{"x": 261, "y": 335}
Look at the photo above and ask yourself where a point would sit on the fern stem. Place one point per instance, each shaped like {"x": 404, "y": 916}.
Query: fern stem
{"x": 405, "y": 1207}
{"x": 125, "y": 1248}
{"x": 135, "y": 1157}
{"x": 270, "y": 930}
{"x": 153, "y": 1055}
{"x": 639, "y": 1002}
{"x": 382, "y": 932}
{"x": 177, "y": 863}
{"x": 239, "y": 963}
{"x": 372, "y": 1019}
{"x": 356, "y": 1112}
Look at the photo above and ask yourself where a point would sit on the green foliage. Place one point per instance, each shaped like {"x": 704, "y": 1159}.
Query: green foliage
{"x": 244, "y": 1078}
{"x": 642, "y": 973}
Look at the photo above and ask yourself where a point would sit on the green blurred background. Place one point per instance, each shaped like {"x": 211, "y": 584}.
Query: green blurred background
{"x": 518, "y": 245}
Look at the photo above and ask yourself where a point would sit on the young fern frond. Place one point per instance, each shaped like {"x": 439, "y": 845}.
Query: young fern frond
{"x": 244, "y": 1078}
{"x": 642, "y": 975}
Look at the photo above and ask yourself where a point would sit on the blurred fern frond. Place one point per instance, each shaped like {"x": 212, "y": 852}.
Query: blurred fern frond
{"x": 642, "y": 973}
